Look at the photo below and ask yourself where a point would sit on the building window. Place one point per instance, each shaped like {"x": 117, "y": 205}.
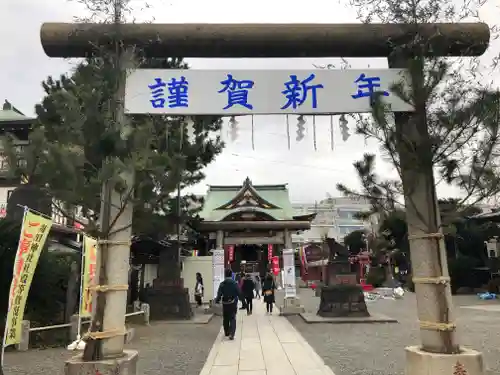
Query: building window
{"x": 349, "y": 229}
{"x": 348, "y": 214}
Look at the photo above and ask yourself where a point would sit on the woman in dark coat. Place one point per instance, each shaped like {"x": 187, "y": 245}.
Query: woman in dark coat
{"x": 199, "y": 289}
{"x": 268, "y": 288}
{"x": 247, "y": 288}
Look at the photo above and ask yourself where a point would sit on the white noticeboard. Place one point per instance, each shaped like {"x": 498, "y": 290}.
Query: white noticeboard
{"x": 247, "y": 92}
{"x": 218, "y": 269}
{"x": 289, "y": 273}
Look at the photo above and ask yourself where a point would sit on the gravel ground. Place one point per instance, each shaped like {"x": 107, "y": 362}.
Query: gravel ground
{"x": 174, "y": 349}
{"x": 378, "y": 349}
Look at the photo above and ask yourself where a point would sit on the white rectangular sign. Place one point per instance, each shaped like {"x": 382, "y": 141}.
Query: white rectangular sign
{"x": 289, "y": 273}
{"x": 246, "y": 92}
{"x": 217, "y": 269}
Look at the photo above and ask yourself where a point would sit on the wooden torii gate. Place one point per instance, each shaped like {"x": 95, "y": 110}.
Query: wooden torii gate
{"x": 329, "y": 40}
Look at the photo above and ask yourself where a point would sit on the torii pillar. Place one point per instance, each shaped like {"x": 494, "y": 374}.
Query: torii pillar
{"x": 289, "y": 41}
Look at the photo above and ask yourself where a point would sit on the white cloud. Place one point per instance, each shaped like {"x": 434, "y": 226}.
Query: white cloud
{"x": 310, "y": 173}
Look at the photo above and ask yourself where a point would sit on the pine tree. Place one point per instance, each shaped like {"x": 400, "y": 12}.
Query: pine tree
{"x": 87, "y": 153}
{"x": 75, "y": 134}
{"x": 454, "y": 130}
{"x": 462, "y": 111}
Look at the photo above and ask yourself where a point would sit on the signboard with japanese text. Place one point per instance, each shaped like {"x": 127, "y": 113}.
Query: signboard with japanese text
{"x": 275, "y": 265}
{"x": 289, "y": 273}
{"x": 34, "y": 232}
{"x": 269, "y": 252}
{"x": 230, "y": 253}
{"x": 217, "y": 269}
{"x": 247, "y": 92}
{"x": 88, "y": 275}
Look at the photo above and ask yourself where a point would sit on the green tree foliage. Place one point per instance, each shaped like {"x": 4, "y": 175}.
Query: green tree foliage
{"x": 461, "y": 111}
{"x": 464, "y": 242}
{"x": 355, "y": 241}
{"x": 381, "y": 194}
{"x": 76, "y": 132}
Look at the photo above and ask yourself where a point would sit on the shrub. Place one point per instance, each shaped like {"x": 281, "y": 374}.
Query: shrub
{"x": 463, "y": 274}
{"x": 376, "y": 276}
{"x": 47, "y": 296}
{"x": 494, "y": 285}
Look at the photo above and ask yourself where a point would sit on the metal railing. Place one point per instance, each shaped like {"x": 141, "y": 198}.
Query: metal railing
{"x": 73, "y": 326}
{"x": 68, "y": 325}
{"x": 47, "y": 328}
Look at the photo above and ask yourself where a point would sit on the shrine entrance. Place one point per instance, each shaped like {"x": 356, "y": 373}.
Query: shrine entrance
{"x": 249, "y": 253}
{"x": 251, "y": 223}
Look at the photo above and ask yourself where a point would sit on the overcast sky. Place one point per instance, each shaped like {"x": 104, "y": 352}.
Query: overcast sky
{"x": 310, "y": 174}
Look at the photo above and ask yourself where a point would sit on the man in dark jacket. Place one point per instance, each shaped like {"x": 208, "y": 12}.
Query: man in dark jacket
{"x": 247, "y": 288}
{"x": 229, "y": 292}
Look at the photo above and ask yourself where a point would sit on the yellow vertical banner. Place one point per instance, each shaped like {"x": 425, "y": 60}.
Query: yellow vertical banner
{"x": 88, "y": 275}
{"x": 34, "y": 232}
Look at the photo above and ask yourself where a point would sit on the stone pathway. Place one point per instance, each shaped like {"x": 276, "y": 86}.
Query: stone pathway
{"x": 264, "y": 345}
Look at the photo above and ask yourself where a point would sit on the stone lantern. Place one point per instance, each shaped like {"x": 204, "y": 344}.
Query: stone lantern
{"x": 342, "y": 296}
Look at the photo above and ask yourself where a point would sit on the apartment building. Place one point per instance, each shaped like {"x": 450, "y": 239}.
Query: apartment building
{"x": 335, "y": 218}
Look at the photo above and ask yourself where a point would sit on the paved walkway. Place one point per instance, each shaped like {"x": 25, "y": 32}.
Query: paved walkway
{"x": 264, "y": 345}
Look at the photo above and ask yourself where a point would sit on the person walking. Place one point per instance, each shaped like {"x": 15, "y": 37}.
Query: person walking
{"x": 268, "y": 288}
{"x": 258, "y": 286}
{"x": 240, "y": 284}
{"x": 247, "y": 289}
{"x": 229, "y": 292}
{"x": 199, "y": 289}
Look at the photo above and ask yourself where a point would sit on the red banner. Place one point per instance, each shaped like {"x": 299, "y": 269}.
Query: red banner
{"x": 269, "y": 252}
{"x": 275, "y": 265}
{"x": 230, "y": 253}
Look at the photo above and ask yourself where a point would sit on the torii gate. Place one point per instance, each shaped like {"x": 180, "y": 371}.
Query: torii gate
{"x": 320, "y": 40}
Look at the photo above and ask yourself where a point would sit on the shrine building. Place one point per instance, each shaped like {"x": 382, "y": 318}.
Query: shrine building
{"x": 248, "y": 221}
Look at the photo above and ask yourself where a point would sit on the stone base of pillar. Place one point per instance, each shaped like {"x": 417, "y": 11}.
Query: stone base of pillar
{"x": 342, "y": 300}
{"x": 468, "y": 362}
{"x": 291, "y": 306}
{"x": 126, "y": 365}
{"x": 169, "y": 302}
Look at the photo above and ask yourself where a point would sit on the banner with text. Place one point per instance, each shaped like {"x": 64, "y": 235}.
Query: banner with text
{"x": 34, "y": 232}
{"x": 254, "y": 92}
{"x": 88, "y": 274}
{"x": 289, "y": 272}
{"x": 269, "y": 252}
{"x": 230, "y": 253}
{"x": 275, "y": 265}
{"x": 217, "y": 269}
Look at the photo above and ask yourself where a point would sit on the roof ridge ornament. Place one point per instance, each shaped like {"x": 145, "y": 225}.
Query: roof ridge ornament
{"x": 247, "y": 182}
